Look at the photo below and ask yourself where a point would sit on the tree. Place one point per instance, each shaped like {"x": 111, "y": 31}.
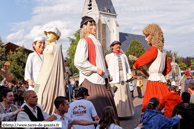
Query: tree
{"x": 2, "y": 58}
{"x": 177, "y": 58}
{"x": 71, "y": 51}
{"x": 136, "y": 49}
{"x": 17, "y": 62}
{"x": 182, "y": 66}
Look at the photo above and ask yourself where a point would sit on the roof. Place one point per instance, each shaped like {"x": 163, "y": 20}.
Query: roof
{"x": 103, "y": 4}
{"x": 126, "y": 38}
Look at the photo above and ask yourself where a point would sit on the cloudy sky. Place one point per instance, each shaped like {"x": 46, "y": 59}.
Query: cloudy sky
{"x": 23, "y": 20}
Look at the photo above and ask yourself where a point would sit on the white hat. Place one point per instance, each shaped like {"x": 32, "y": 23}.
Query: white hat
{"x": 39, "y": 38}
{"x": 53, "y": 29}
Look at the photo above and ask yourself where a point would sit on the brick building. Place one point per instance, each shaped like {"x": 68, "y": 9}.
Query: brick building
{"x": 10, "y": 47}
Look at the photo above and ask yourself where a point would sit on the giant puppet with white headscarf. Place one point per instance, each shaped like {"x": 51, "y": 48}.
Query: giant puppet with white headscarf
{"x": 51, "y": 79}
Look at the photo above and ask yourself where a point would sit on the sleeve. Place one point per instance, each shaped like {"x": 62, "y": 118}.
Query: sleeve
{"x": 93, "y": 110}
{"x": 22, "y": 116}
{"x": 5, "y": 116}
{"x": 28, "y": 68}
{"x": 168, "y": 67}
{"x": 127, "y": 64}
{"x": 81, "y": 59}
{"x": 163, "y": 101}
{"x": 167, "y": 123}
{"x": 147, "y": 57}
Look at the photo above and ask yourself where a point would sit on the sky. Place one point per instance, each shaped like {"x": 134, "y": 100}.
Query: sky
{"x": 23, "y": 20}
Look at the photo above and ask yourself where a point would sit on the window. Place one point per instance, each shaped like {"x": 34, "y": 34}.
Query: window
{"x": 90, "y": 5}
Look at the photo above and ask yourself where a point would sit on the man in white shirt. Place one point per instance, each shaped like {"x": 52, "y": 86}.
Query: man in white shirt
{"x": 34, "y": 62}
{"x": 93, "y": 72}
{"x": 82, "y": 109}
{"x": 8, "y": 111}
{"x": 120, "y": 72}
{"x": 32, "y": 111}
{"x": 62, "y": 106}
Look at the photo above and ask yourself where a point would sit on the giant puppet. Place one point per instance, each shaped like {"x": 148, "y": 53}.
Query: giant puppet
{"x": 120, "y": 72}
{"x": 51, "y": 80}
{"x": 157, "y": 62}
{"x": 90, "y": 60}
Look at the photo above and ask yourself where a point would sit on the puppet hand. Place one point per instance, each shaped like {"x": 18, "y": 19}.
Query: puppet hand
{"x": 109, "y": 78}
{"x": 100, "y": 72}
{"x": 30, "y": 82}
{"x": 132, "y": 58}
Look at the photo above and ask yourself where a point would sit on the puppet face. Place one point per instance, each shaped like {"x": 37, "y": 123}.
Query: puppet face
{"x": 51, "y": 37}
{"x": 92, "y": 28}
{"x": 147, "y": 38}
{"x": 39, "y": 46}
{"x": 116, "y": 47}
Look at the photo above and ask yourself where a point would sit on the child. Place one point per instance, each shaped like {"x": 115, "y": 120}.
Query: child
{"x": 170, "y": 100}
{"x": 154, "y": 119}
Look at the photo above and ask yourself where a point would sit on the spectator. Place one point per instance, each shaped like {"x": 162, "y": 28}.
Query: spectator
{"x": 76, "y": 88}
{"x": 186, "y": 110}
{"x": 139, "y": 85}
{"x": 154, "y": 119}
{"x": 191, "y": 91}
{"x": 82, "y": 109}
{"x": 7, "y": 109}
{"x": 107, "y": 119}
{"x": 189, "y": 78}
{"x": 32, "y": 111}
{"x": 21, "y": 94}
{"x": 62, "y": 106}
{"x": 131, "y": 87}
{"x": 170, "y": 100}
{"x": 168, "y": 84}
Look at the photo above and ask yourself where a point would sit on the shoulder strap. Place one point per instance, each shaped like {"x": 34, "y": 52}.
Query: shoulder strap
{"x": 40, "y": 115}
{"x": 91, "y": 51}
{"x": 30, "y": 114}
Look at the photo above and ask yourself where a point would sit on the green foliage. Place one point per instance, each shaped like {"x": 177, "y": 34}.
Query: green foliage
{"x": 108, "y": 51}
{"x": 2, "y": 58}
{"x": 177, "y": 58}
{"x": 136, "y": 49}
{"x": 71, "y": 51}
{"x": 17, "y": 62}
{"x": 182, "y": 66}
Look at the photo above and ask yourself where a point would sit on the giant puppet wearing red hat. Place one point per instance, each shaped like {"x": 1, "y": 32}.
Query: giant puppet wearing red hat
{"x": 157, "y": 62}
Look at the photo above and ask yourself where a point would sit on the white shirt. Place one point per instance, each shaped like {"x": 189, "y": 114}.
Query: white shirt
{"x": 82, "y": 109}
{"x": 87, "y": 70}
{"x": 112, "y": 126}
{"x": 33, "y": 66}
{"x": 22, "y": 116}
{"x": 113, "y": 67}
{"x": 67, "y": 120}
{"x": 131, "y": 86}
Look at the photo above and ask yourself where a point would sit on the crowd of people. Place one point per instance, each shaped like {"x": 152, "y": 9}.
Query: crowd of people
{"x": 105, "y": 90}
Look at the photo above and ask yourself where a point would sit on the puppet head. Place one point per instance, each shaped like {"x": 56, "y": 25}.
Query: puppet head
{"x": 154, "y": 36}
{"x": 88, "y": 26}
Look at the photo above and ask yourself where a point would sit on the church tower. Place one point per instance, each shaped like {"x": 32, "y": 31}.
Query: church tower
{"x": 103, "y": 12}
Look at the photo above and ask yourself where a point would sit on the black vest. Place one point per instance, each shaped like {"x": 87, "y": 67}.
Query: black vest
{"x": 31, "y": 115}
